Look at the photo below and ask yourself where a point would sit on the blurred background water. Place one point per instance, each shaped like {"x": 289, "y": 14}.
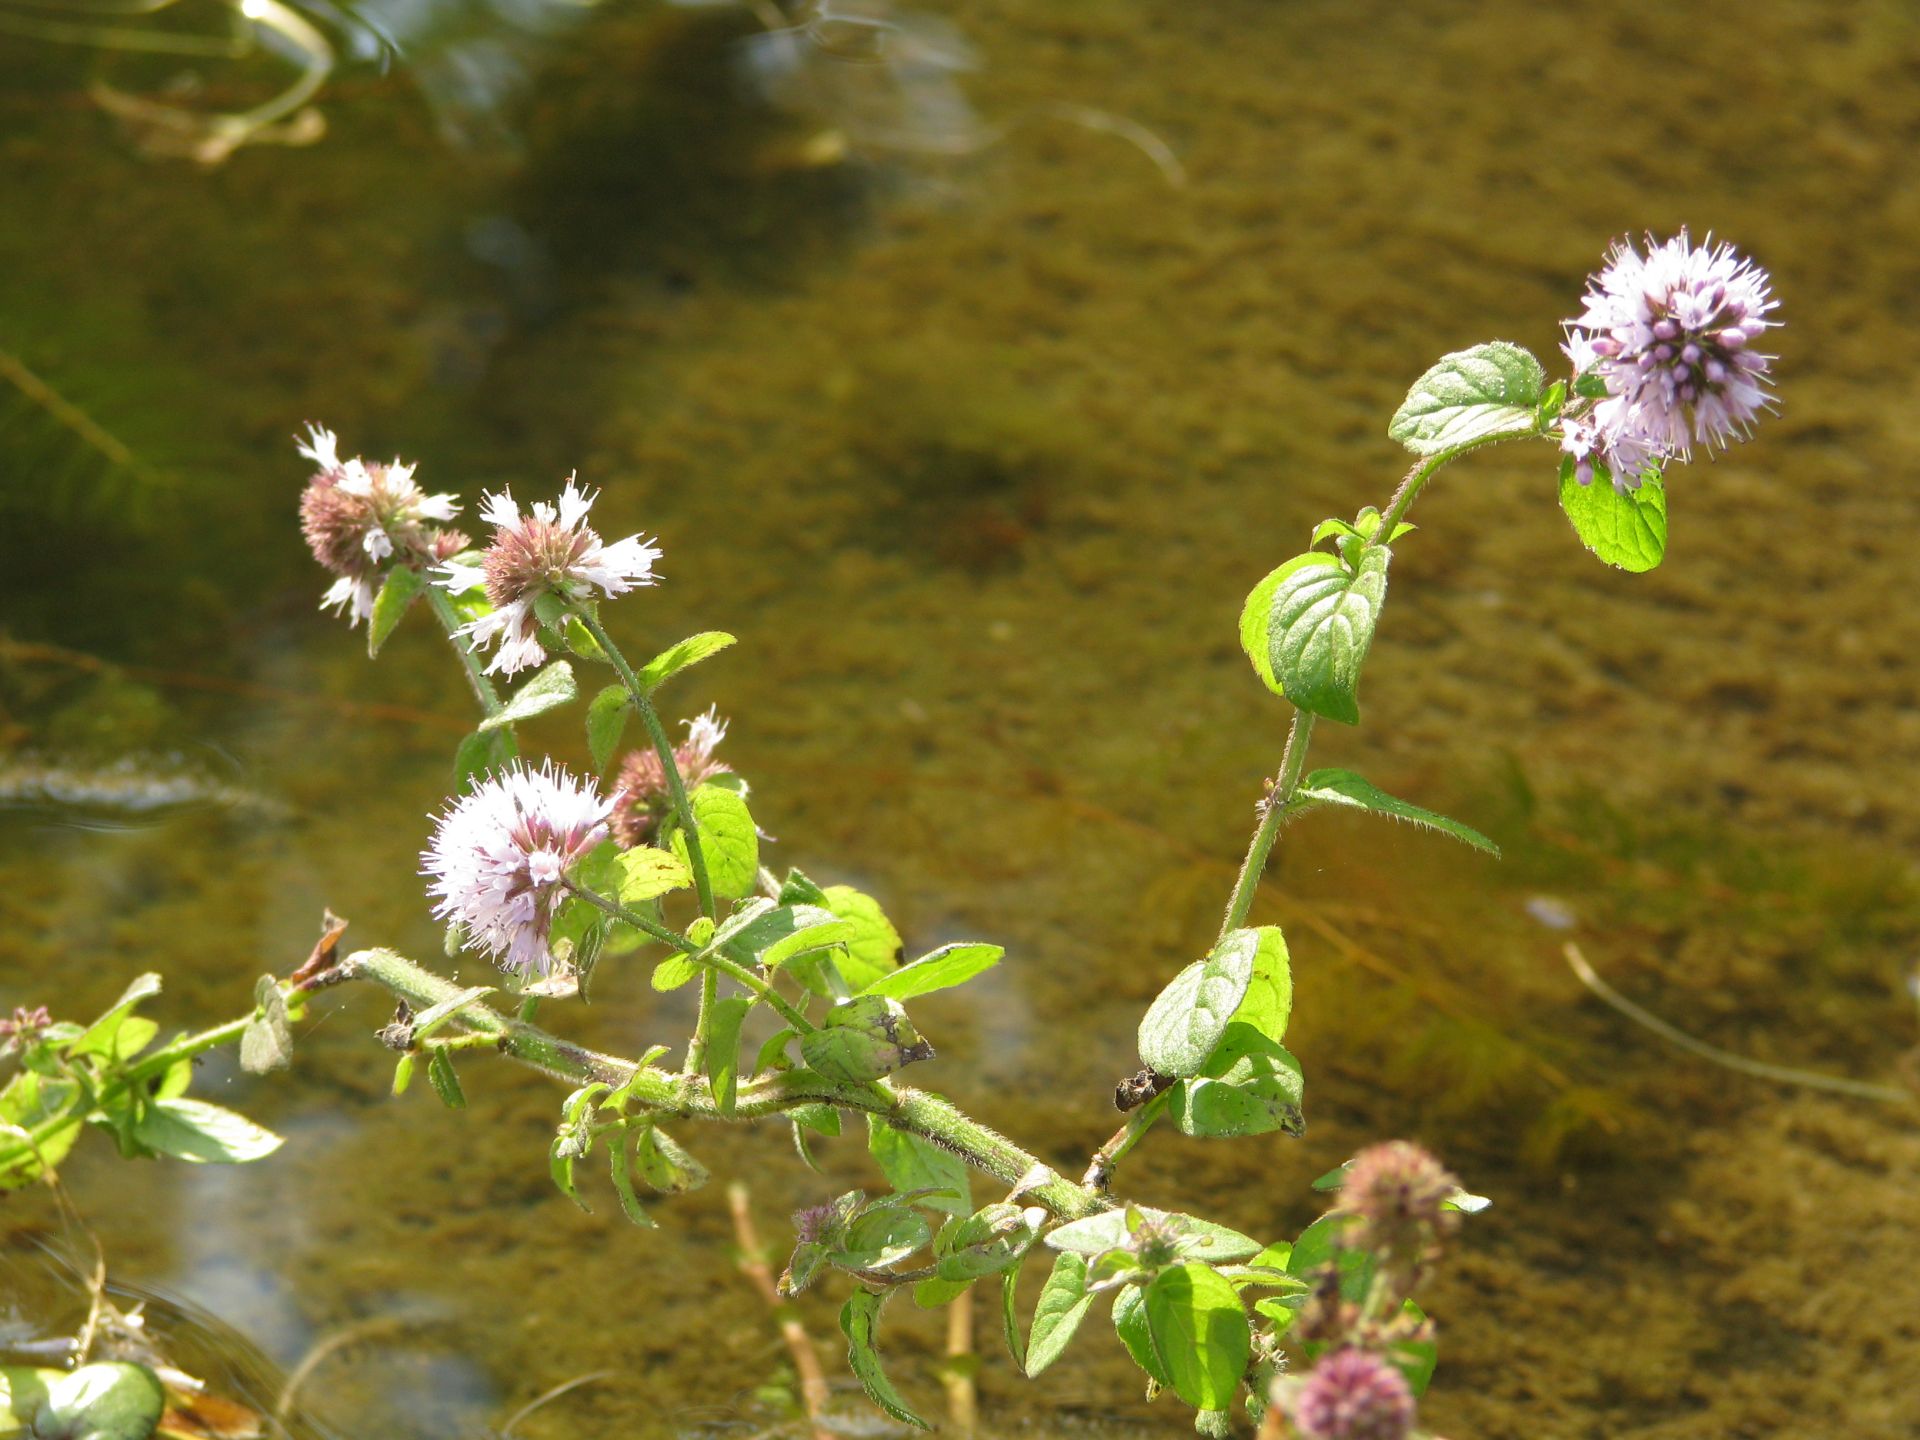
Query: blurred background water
{"x": 972, "y": 384}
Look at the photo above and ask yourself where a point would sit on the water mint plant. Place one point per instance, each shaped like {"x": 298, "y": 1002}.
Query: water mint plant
{"x": 570, "y": 883}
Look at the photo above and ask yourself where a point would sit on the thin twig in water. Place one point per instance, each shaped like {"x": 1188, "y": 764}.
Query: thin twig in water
{"x": 814, "y": 1394}
{"x": 329, "y": 1345}
{"x": 547, "y": 1397}
{"x": 1757, "y": 1068}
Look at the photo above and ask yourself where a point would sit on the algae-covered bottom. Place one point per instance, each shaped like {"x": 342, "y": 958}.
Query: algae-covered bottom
{"x": 978, "y": 455}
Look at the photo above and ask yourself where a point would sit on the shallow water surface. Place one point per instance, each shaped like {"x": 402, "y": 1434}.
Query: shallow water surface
{"x": 977, "y": 448}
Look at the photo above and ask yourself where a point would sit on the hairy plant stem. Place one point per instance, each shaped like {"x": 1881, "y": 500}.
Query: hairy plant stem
{"x": 932, "y": 1118}
{"x": 1274, "y": 813}
{"x": 441, "y": 604}
{"x": 677, "y": 791}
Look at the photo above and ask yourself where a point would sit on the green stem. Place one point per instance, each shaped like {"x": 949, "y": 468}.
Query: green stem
{"x": 916, "y": 1112}
{"x": 441, "y": 604}
{"x": 712, "y": 960}
{"x": 1274, "y": 813}
{"x": 677, "y": 790}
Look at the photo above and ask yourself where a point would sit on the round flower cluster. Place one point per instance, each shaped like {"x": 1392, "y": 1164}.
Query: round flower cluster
{"x": 498, "y": 855}
{"x": 1396, "y": 1193}
{"x": 642, "y": 797}
{"x": 1353, "y": 1395}
{"x": 1670, "y": 334}
{"x": 357, "y": 517}
{"x": 550, "y": 550}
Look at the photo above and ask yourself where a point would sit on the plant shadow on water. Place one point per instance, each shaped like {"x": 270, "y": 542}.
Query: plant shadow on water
{"x": 977, "y": 493}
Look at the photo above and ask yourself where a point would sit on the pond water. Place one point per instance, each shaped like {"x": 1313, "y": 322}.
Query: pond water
{"x": 973, "y": 401}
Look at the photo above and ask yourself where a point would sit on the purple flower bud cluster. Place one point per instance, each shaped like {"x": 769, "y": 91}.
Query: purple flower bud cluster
{"x": 1670, "y": 335}
{"x": 1353, "y": 1395}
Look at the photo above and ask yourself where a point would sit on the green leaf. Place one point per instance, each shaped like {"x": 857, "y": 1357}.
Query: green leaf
{"x": 1321, "y": 625}
{"x": 644, "y": 874}
{"x": 1251, "y": 1086}
{"x": 673, "y": 972}
{"x": 1355, "y": 792}
{"x": 1470, "y": 397}
{"x": 1628, "y": 530}
{"x": 690, "y": 651}
{"x": 666, "y": 1165}
{"x": 29, "y": 1101}
{"x": 1256, "y": 618}
{"x": 863, "y": 1039}
{"x": 881, "y": 1237}
{"x": 1010, "y": 1316}
{"x": 1268, "y": 1003}
{"x": 620, "y": 1160}
{"x": 396, "y": 594}
{"x": 480, "y": 752}
{"x": 874, "y": 950}
{"x": 1200, "y": 1334}
{"x": 1417, "y": 1359}
{"x": 548, "y": 690}
{"x": 580, "y": 641}
{"x": 933, "y": 1292}
{"x": 723, "y": 1048}
{"x": 194, "y": 1130}
{"x": 607, "y": 716}
{"x": 858, "y": 1319}
{"x": 940, "y": 969}
{"x": 114, "y": 1401}
{"x": 910, "y": 1163}
{"x": 1063, "y": 1304}
{"x": 267, "y": 1042}
{"x": 446, "y": 1084}
{"x": 775, "y": 934}
{"x": 1130, "y": 1323}
{"x": 992, "y": 1239}
{"x": 1201, "y": 1239}
{"x": 102, "y": 1036}
{"x": 728, "y": 841}
{"x": 1185, "y": 1022}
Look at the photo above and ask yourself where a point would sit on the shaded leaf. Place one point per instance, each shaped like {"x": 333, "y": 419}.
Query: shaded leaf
{"x": 723, "y": 1048}
{"x": 102, "y": 1036}
{"x": 863, "y": 1039}
{"x": 910, "y": 1163}
{"x": 396, "y": 594}
{"x": 607, "y": 716}
{"x": 858, "y": 1320}
{"x": 446, "y": 1084}
{"x": 267, "y": 1042}
{"x": 1130, "y": 1323}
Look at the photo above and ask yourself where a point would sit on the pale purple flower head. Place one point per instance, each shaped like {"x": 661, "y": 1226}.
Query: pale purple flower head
{"x": 498, "y": 855}
{"x": 550, "y": 550}
{"x": 642, "y": 796}
{"x": 358, "y": 518}
{"x": 1397, "y": 1193}
{"x": 1353, "y": 1395}
{"x": 1671, "y": 334}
